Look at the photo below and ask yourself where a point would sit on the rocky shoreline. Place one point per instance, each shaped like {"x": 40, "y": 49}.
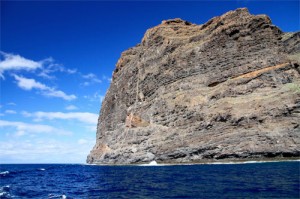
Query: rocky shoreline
{"x": 228, "y": 89}
{"x": 201, "y": 162}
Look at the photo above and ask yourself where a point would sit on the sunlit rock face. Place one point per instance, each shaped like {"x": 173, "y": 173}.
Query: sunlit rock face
{"x": 227, "y": 89}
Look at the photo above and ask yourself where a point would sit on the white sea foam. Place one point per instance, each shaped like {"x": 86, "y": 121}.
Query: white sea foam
{"x": 5, "y": 188}
{"x": 57, "y": 196}
{"x": 91, "y": 164}
{"x": 252, "y": 162}
{"x": 4, "y": 173}
{"x": 217, "y": 163}
{"x": 4, "y": 194}
{"x": 230, "y": 162}
{"x": 41, "y": 169}
{"x": 153, "y": 163}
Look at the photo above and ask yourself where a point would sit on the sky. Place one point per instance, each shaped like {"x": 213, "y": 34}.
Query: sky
{"x": 57, "y": 58}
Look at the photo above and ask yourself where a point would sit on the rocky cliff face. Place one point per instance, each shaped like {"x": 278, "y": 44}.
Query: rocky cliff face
{"x": 227, "y": 89}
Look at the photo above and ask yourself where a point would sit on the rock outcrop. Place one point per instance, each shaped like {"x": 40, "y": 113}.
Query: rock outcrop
{"x": 227, "y": 89}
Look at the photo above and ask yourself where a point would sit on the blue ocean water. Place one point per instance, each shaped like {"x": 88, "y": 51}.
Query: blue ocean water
{"x": 256, "y": 180}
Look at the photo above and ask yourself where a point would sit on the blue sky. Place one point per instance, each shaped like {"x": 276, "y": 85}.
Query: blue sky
{"x": 56, "y": 61}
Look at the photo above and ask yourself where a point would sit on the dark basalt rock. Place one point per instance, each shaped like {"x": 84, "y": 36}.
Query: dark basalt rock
{"x": 228, "y": 89}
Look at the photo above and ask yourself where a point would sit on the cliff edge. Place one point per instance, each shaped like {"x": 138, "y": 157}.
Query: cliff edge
{"x": 227, "y": 89}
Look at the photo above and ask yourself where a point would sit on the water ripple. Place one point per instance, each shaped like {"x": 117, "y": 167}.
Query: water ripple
{"x": 263, "y": 180}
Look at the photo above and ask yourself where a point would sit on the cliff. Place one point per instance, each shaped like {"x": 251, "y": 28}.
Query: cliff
{"x": 227, "y": 89}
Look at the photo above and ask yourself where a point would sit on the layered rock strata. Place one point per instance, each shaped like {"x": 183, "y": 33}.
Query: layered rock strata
{"x": 227, "y": 89}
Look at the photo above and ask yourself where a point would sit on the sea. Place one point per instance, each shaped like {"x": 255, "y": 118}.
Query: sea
{"x": 228, "y": 180}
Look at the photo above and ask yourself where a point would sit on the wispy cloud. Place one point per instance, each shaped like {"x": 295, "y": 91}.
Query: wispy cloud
{"x": 104, "y": 77}
{"x": 11, "y": 104}
{"x": 50, "y": 67}
{"x": 71, "y": 71}
{"x": 82, "y": 141}
{"x": 27, "y": 128}
{"x": 10, "y": 112}
{"x": 16, "y": 62}
{"x": 43, "y": 68}
{"x": 84, "y": 117}
{"x": 60, "y": 94}
{"x": 71, "y": 108}
{"x": 91, "y": 128}
{"x": 44, "y": 150}
{"x": 29, "y": 84}
{"x": 90, "y": 78}
{"x": 96, "y": 97}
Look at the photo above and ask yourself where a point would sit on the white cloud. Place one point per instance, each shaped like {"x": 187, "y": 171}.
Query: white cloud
{"x": 50, "y": 67}
{"x": 43, "y": 68}
{"x": 109, "y": 79}
{"x": 11, "y": 104}
{"x": 71, "y": 107}
{"x": 25, "y": 113}
{"x": 60, "y": 94}
{"x": 91, "y": 128}
{"x": 10, "y": 112}
{"x": 96, "y": 97}
{"x": 46, "y": 75}
{"x": 82, "y": 141}
{"x": 84, "y": 117}
{"x": 27, "y": 128}
{"x": 29, "y": 84}
{"x": 92, "y": 78}
{"x": 86, "y": 83}
{"x": 71, "y": 71}
{"x": 44, "y": 151}
{"x": 16, "y": 62}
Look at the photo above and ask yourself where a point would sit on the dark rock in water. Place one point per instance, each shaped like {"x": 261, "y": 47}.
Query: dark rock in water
{"x": 227, "y": 89}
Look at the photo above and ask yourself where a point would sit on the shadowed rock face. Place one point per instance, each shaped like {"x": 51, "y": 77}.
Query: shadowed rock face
{"x": 227, "y": 89}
